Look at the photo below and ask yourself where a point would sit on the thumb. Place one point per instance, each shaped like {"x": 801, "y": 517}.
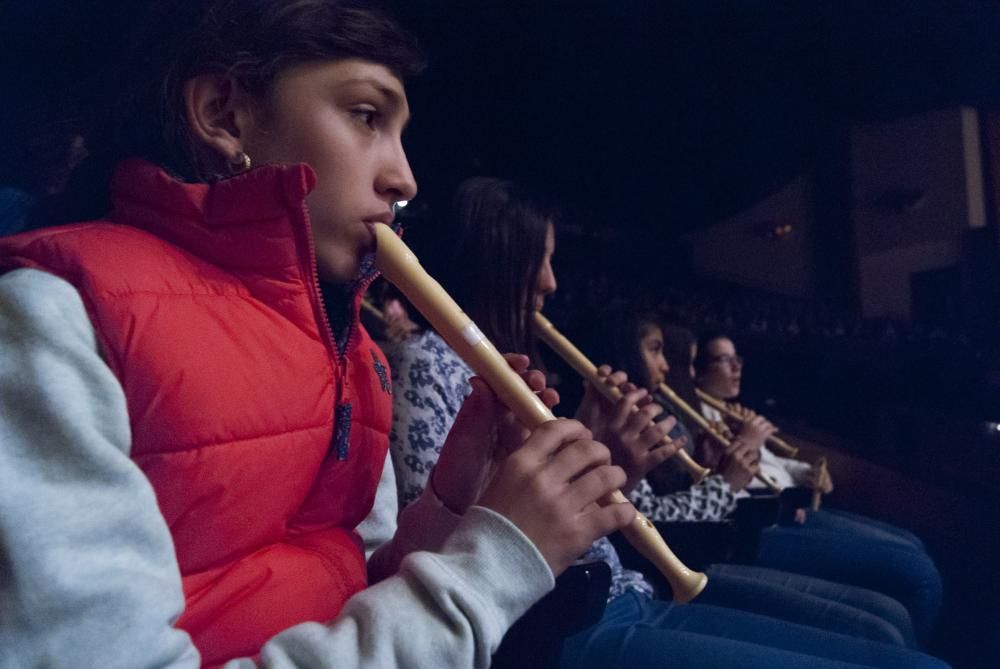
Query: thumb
{"x": 587, "y": 412}
{"x": 467, "y": 453}
{"x": 477, "y": 418}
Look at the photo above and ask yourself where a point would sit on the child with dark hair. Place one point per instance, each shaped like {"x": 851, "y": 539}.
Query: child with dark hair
{"x": 829, "y": 544}
{"x": 826, "y": 603}
{"x": 192, "y": 420}
{"x": 635, "y": 341}
{"x": 496, "y": 222}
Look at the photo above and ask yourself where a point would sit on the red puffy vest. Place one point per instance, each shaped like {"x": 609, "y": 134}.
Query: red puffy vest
{"x": 263, "y": 439}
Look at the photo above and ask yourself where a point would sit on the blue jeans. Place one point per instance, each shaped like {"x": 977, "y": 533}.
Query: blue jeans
{"x": 640, "y": 632}
{"x": 862, "y": 552}
{"x": 834, "y": 607}
{"x": 845, "y": 521}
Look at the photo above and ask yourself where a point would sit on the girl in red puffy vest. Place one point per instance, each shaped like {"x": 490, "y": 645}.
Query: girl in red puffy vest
{"x": 192, "y": 419}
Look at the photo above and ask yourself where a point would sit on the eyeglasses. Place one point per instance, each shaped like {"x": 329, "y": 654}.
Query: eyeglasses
{"x": 730, "y": 360}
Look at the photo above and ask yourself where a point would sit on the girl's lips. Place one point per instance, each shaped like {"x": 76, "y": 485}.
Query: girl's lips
{"x": 387, "y": 217}
{"x": 371, "y": 243}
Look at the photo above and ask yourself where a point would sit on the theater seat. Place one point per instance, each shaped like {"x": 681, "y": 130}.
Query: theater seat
{"x": 576, "y": 603}
{"x": 696, "y": 544}
{"x": 792, "y": 499}
{"x": 700, "y": 544}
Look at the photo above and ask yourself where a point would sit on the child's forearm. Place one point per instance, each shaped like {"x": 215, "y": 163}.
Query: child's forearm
{"x": 424, "y": 525}
{"x": 445, "y": 609}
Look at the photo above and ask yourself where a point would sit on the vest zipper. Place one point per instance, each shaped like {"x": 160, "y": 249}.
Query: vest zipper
{"x": 316, "y": 294}
{"x": 359, "y": 288}
{"x": 355, "y": 324}
{"x": 341, "y": 410}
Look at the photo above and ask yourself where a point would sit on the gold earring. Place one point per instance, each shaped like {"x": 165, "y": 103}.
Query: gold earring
{"x": 241, "y": 163}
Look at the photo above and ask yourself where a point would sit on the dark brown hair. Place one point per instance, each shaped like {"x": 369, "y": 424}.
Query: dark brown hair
{"x": 250, "y": 40}
{"x": 677, "y": 342}
{"x": 489, "y": 255}
{"x": 138, "y": 109}
{"x": 624, "y": 327}
{"x": 702, "y": 360}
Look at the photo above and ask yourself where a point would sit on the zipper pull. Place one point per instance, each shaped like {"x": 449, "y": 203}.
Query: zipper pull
{"x": 342, "y": 430}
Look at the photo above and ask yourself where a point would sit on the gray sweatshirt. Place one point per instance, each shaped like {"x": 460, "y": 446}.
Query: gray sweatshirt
{"x": 88, "y": 575}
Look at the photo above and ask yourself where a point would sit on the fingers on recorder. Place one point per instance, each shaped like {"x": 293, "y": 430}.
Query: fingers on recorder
{"x": 645, "y": 438}
{"x": 625, "y": 412}
{"x": 641, "y": 446}
{"x": 740, "y": 463}
{"x": 533, "y": 377}
{"x": 613, "y": 378}
{"x": 549, "y": 488}
{"x": 764, "y": 425}
{"x": 757, "y": 430}
{"x": 743, "y": 449}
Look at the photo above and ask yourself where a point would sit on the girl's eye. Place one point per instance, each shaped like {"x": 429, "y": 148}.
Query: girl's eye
{"x": 366, "y": 115}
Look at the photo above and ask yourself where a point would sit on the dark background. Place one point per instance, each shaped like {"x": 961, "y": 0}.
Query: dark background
{"x": 647, "y": 120}
{"x": 653, "y": 117}
{"x": 662, "y": 116}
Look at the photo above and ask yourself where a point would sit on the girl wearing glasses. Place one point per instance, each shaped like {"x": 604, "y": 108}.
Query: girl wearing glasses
{"x": 828, "y": 544}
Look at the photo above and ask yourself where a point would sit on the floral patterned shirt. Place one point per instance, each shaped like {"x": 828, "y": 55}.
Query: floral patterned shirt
{"x": 429, "y": 384}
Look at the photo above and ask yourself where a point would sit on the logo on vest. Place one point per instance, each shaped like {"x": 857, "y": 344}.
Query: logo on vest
{"x": 383, "y": 374}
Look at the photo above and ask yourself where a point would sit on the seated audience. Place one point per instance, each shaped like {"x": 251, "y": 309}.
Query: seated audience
{"x": 505, "y": 241}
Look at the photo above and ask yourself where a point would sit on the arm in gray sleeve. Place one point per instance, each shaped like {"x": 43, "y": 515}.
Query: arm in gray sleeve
{"x": 424, "y": 525}
{"x": 90, "y": 578}
{"x": 380, "y": 524}
{"x": 432, "y": 609}
{"x": 446, "y": 609}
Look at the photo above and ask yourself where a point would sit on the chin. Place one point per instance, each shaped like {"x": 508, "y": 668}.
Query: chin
{"x": 338, "y": 269}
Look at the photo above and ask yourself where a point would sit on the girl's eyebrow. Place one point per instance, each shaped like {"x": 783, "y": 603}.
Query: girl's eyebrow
{"x": 393, "y": 97}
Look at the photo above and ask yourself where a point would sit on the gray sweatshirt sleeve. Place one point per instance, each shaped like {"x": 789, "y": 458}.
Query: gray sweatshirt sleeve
{"x": 380, "y": 524}
{"x": 446, "y": 609}
{"x": 89, "y": 575}
{"x": 90, "y": 578}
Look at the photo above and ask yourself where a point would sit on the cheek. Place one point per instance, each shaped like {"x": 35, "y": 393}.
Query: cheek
{"x": 318, "y": 205}
{"x": 651, "y": 367}
{"x": 330, "y": 202}
{"x": 322, "y": 142}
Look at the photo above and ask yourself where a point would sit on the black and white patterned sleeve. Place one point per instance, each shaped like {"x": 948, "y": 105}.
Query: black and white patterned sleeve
{"x": 711, "y": 500}
{"x": 429, "y": 384}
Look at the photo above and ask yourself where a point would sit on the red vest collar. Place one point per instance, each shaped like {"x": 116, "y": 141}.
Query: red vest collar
{"x": 264, "y": 192}
{"x": 243, "y": 223}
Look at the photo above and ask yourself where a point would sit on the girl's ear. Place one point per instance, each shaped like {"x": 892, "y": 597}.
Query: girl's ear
{"x": 219, "y": 114}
